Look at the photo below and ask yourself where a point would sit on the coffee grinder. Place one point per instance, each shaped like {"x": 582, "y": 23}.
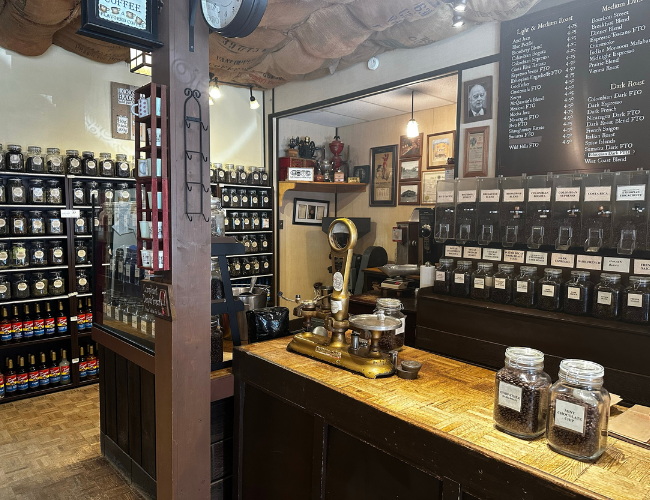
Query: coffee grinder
{"x": 333, "y": 348}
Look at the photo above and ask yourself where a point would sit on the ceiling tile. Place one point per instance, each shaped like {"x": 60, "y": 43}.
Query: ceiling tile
{"x": 322, "y": 117}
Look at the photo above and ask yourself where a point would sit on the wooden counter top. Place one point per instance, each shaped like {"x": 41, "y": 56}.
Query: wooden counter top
{"x": 454, "y": 400}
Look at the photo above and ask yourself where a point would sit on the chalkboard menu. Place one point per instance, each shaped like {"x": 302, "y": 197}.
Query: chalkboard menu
{"x": 573, "y": 89}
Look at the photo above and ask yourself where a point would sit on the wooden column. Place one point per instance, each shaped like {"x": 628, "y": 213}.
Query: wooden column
{"x": 183, "y": 346}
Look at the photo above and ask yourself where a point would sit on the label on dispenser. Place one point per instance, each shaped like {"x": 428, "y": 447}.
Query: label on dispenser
{"x": 563, "y": 260}
{"x": 635, "y": 300}
{"x": 589, "y": 262}
{"x": 630, "y": 193}
{"x": 490, "y": 195}
{"x": 492, "y": 254}
{"x": 570, "y": 416}
{"x": 516, "y": 256}
{"x": 539, "y": 194}
{"x": 538, "y": 258}
{"x": 510, "y": 396}
{"x": 604, "y": 298}
{"x": 445, "y": 197}
{"x": 616, "y": 264}
{"x": 641, "y": 266}
{"x": 567, "y": 194}
{"x": 453, "y": 251}
{"x": 598, "y": 193}
{"x": 513, "y": 195}
{"x": 467, "y": 196}
{"x": 472, "y": 253}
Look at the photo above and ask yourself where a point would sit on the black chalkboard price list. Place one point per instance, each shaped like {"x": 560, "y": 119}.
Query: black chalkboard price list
{"x": 569, "y": 83}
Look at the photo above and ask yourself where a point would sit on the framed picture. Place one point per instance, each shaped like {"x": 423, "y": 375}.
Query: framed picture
{"x": 440, "y": 148}
{"x": 310, "y": 212}
{"x": 409, "y": 170}
{"x": 383, "y": 176}
{"x": 430, "y": 180}
{"x": 477, "y": 97}
{"x": 409, "y": 193}
{"x": 362, "y": 172}
{"x": 410, "y": 147}
{"x": 477, "y": 145}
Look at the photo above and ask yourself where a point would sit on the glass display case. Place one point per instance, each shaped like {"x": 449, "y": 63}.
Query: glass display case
{"x": 445, "y": 208}
{"x": 488, "y": 210}
{"x": 538, "y": 210}
{"x": 597, "y": 211}
{"x": 567, "y": 193}
{"x": 631, "y": 212}
{"x": 513, "y": 211}
{"x": 466, "y": 206}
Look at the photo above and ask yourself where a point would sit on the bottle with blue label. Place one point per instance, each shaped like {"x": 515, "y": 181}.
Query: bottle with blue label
{"x": 5, "y": 327}
{"x": 55, "y": 370}
{"x": 22, "y": 377}
{"x": 34, "y": 377}
{"x": 64, "y": 369}
{"x": 16, "y": 326}
{"x": 44, "y": 372}
{"x": 61, "y": 321}
{"x": 49, "y": 322}
{"x": 10, "y": 378}
{"x": 39, "y": 323}
{"x": 28, "y": 324}
{"x": 83, "y": 365}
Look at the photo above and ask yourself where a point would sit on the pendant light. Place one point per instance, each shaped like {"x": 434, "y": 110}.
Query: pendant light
{"x": 412, "y": 129}
{"x": 215, "y": 91}
{"x": 460, "y": 5}
{"x": 458, "y": 21}
{"x": 254, "y": 104}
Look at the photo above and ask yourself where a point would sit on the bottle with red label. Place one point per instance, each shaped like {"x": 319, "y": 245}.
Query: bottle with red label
{"x": 89, "y": 314}
{"x": 16, "y": 326}
{"x": 50, "y": 322}
{"x": 83, "y": 365}
{"x": 5, "y": 327}
{"x": 64, "y": 369}
{"x": 44, "y": 372}
{"x": 55, "y": 370}
{"x": 2, "y": 386}
{"x": 39, "y": 323}
{"x": 22, "y": 377}
{"x": 34, "y": 381}
{"x": 28, "y": 324}
{"x": 61, "y": 321}
{"x": 10, "y": 378}
{"x": 81, "y": 317}
{"x": 91, "y": 364}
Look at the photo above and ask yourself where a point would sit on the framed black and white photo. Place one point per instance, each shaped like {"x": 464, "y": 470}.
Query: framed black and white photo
{"x": 362, "y": 172}
{"x": 409, "y": 193}
{"x": 477, "y": 98}
{"x": 310, "y": 212}
{"x": 383, "y": 176}
{"x": 409, "y": 170}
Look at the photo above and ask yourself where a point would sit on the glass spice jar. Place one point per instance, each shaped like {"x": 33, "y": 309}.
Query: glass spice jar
{"x": 578, "y": 411}
{"x": 18, "y": 223}
{"x": 242, "y": 177}
{"x": 482, "y": 281}
{"x": 392, "y": 340}
{"x": 246, "y": 266}
{"x": 254, "y": 198}
{"x": 55, "y": 254}
{"x": 92, "y": 192}
{"x": 264, "y": 243}
{"x": 217, "y": 217}
{"x": 265, "y": 265}
{"x": 53, "y": 222}
{"x": 14, "y": 159}
{"x": 20, "y": 287}
{"x": 254, "y": 244}
{"x": 636, "y": 300}
{"x": 88, "y": 163}
{"x": 525, "y": 289}
{"x": 264, "y": 177}
{"x": 225, "y": 197}
{"x": 81, "y": 224}
{"x": 216, "y": 280}
{"x": 5, "y": 288}
{"x": 16, "y": 192}
{"x": 78, "y": 193}
{"x": 220, "y": 173}
{"x": 254, "y": 177}
{"x": 3, "y": 165}
{"x": 73, "y": 162}
{"x": 522, "y": 394}
{"x": 442, "y": 276}
{"x": 5, "y": 261}
{"x": 54, "y": 161}
{"x": 80, "y": 252}
{"x": 504, "y": 283}
{"x": 53, "y": 193}
{"x": 247, "y": 244}
{"x": 36, "y": 192}
{"x": 461, "y": 279}
{"x": 123, "y": 192}
{"x": 235, "y": 199}
{"x": 234, "y": 267}
{"x": 255, "y": 266}
{"x": 35, "y": 223}
{"x": 4, "y": 225}
{"x": 231, "y": 174}
{"x": 37, "y": 254}
{"x": 244, "y": 198}
{"x": 265, "y": 200}
{"x": 3, "y": 192}
{"x": 39, "y": 285}
{"x": 256, "y": 222}
{"x": 578, "y": 293}
{"x": 56, "y": 284}
{"x": 35, "y": 162}
{"x": 106, "y": 166}
{"x": 607, "y": 297}
{"x": 83, "y": 283}
{"x": 550, "y": 290}
{"x": 236, "y": 221}
{"x": 106, "y": 193}
{"x": 227, "y": 225}
{"x": 246, "y": 221}
{"x": 122, "y": 166}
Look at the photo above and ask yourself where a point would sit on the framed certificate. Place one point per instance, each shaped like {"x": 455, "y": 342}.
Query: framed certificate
{"x": 477, "y": 145}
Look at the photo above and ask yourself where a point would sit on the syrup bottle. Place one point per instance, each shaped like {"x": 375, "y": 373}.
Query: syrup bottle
{"x": 61, "y": 321}
{"x": 22, "y": 377}
{"x": 28, "y": 324}
{"x": 5, "y": 327}
{"x": 16, "y": 326}
{"x": 64, "y": 369}
{"x": 81, "y": 317}
{"x": 39, "y": 323}
{"x": 89, "y": 314}
{"x": 49, "y": 322}
{"x": 44, "y": 372}
{"x": 55, "y": 370}
{"x": 33, "y": 373}
{"x": 10, "y": 378}
{"x": 2, "y": 385}
{"x": 91, "y": 364}
{"x": 83, "y": 365}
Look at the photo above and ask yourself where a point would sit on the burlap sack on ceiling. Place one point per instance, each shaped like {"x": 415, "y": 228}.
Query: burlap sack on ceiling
{"x": 90, "y": 48}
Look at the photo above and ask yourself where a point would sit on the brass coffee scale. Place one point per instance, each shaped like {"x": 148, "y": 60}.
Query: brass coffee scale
{"x": 329, "y": 344}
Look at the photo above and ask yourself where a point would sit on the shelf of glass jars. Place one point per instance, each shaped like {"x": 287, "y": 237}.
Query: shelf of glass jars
{"x": 251, "y": 276}
{"x": 6, "y": 173}
{"x": 43, "y": 340}
{"x": 37, "y": 237}
{"x": 247, "y": 231}
{"x": 105, "y": 179}
{"x": 31, "y": 268}
{"x": 33, "y": 206}
{"x": 242, "y": 186}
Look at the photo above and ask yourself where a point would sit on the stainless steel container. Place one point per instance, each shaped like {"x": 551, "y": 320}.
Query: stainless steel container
{"x": 252, "y": 301}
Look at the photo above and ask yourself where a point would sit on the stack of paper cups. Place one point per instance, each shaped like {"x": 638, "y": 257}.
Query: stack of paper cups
{"x": 427, "y": 275}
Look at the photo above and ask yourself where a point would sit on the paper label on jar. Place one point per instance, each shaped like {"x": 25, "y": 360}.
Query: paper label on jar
{"x": 254, "y": 244}
{"x": 490, "y": 195}
{"x": 445, "y": 197}
{"x": 616, "y": 264}
{"x": 266, "y": 265}
{"x": 226, "y": 198}
{"x": 479, "y": 283}
{"x": 500, "y": 283}
{"x": 265, "y": 223}
{"x": 468, "y": 196}
{"x": 83, "y": 281}
{"x": 123, "y": 166}
{"x": 472, "y": 253}
{"x": 522, "y": 286}
{"x": 94, "y": 193}
{"x": 134, "y": 321}
{"x": 459, "y": 278}
{"x": 22, "y": 287}
{"x": 81, "y": 253}
{"x": 567, "y": 194}
{"x": 235, "y": 199}
{"x": 635, "y": 300}
{"x": 237, "y": 267}
{"x": 18, "y": 224}
{"x": 20, "y": 254}
{"x": 39, "y": 285}
{"x": 37, "y": 160}
{"x": 244, "y": 199}
{"x": 548, "y": 290}
{"x": 37, "y": 224}
{"x": 516, "y": 256}
{"x": 3, "y": 289}
{"x": 39, "y": 254}
{"x": 510, "y": 396}
{"x": 254, "y": 200}
{"x": 74, "y": 162}
{"x": 265, "y": 199}
{"x": 37, "y": 192}
{"x": 570, "y": 416}
{"x": 539, "y": 194}
{"x": 247, "y": 221}
{"x": 573, "y": 292}
{"x": 237, "y": 222}
{"x": 56, "y": 161}
{"x": 80, "y": 222}
{"x": 453, "y": 251}
{"x": 109, "y": 195}
{"x": 58, "y": 253}
{"x": 58, "y": 283}
{"x": 79, "y": 193}
{"x": 17, "y": 192}
{"x": 440, "y": 276}
{"x": 3, "y": 222}
{"x": 598, "y": 193}
{"x": 513, "y": 195}
{"x": 3, "y": 255}
{"x": 91, "y": 164}
{"x": 604, "y": 298}
{"x": 630, "y": 193}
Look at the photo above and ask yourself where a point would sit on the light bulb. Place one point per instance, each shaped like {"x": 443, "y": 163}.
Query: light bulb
{"x": 215, "y": 92}
{"x": 210, "y": 100}
{"x": 458, "y": 21}
{"x": 412, "y": 129}
{"x": 254, "y": 104}
{"x": 460, "y": 5}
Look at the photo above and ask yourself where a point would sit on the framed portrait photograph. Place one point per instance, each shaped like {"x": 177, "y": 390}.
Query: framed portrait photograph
{"x": 310, "y": 212}
{"x": 362, "y": 172}
{"x": 383, "y": 176}
{"x": 440, "y": 148}
{"x": 477, "y": 145}
{"x": 409, "y": 193}
{"x": 430, "y": 180}
{"x": 477, "y": 98}
{"x": 410, "y": 147}
{"x": 409, "y": 170}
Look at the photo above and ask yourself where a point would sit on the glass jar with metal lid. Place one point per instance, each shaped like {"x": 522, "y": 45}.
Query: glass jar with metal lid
{"x": 235, "y": 199}
{"x": 577, "y": 295}
{"x": 5, "y": 288}
{"x": 122, "y": 167}
{"x": 106, "y": 193}
{"x": 246, "y": 267}
{"x": 461, "y": 279}
{"x": 83, "y": 282}
{"x": 88, "y": 163}
{"x": 254, "y": 198}
{"x": 522, "y": 394}
{"x": 235, "y": 267}
{"x": 636, "y": 300}
{"x": 18, "y": 223}
{"x": 14, "y": 159}
{"x": 255, "y": 247}
{"x": 5, "y": 255}
{"x": 56, "y": 284}
{"x": 225, "y": 197}
{"x": 123, "y": 192}
{"x": 3, "y": 165}
{"x": 54, "y": 161}
{"x": 242, "y": 176}
{"x": 607, "y": 297}
{"x": 36, "y": 192}
{"x": 392, "y": 339}
{"x": 16, "y": 192}
{"x": 578, "y": 411}
{"x": 254, "y": 177}
{"x": 73, "y": 162}
{"x": 482, "y": 281}
{"x": 264, "y": 243}
{"x": 264, "y": 177}
{"x": 53, "y": 223}
{"x": 255, "y": 266}
{"x": 442, "y": 276}
{"x": 55, "y": 253}
{"x": 265, "y": 265}
{"x": 37, "y": 254}
{"x": 81, "y": 224}
{"x": 265, "y": 199}
{"x": 35, "y": 161}
{"x": 20, "y": 287}
{"x": 53, "y": 193}
{"x": 78, "y": 193}
{"x": 4, "y": 223}
{"x": 39, "y": 285}
{"x": 92, "y": 192}
{"x": 3, "y": 192}
{"x": 80, "y": 252}
{"x": 245, "y": 201}
{"x": 550, "y": 290}
{"x": 525, "y": 288}
{"x": 35, "y": 223}
{"x": 256, "y": 222}
{"x": 227, "y": 222}
{"x": 220, "y": 173}
{"x": 106, "y": 165}
{"x": 236, "y": 221}
{"x": 231, "y": 174}
{"x": 247, "y": 243}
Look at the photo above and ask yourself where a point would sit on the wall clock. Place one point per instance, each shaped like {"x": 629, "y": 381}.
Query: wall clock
{"x": 233, "y": 18}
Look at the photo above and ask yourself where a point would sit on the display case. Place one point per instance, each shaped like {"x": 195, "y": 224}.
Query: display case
{"x": 597, "y": 212}
{"x": 445, "y": 211}
{"x": 566, "y": 210}
{"x": 466, "y": 210}
{"x": 631, "y": 212}
{"x": 512, "y": 215}
{"x": 488, "y": 210}
{"x": 538, "y": 210}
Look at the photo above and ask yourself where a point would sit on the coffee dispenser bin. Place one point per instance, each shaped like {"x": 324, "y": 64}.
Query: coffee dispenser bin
{"x": 512, "y": 215}
{"x": 538, "y": 210}
{"x": 631, "y": 211}
{"x": 445, "y": 211}
{"x": 466, "y": 216}
{"x": 597, "y": 212}
{"x": 489, "y": 189}
{"x": 566, "y": 210}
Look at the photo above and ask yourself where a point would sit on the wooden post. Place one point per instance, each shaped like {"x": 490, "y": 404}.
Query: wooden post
{"x": 183, "y": 346}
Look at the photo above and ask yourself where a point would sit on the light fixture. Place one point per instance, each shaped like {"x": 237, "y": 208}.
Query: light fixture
{"x": 458, "y": 21}
{"x": 460, "y": 5}
{"x": 412, "y": 129}
{"x": 210, "y": 101}
{"x": 215, "y": 91}
{"x": 140, "y": 62}
{"x": 254, "y": 104}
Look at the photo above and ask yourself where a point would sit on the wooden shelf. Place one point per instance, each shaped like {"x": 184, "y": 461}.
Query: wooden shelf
{"x": 319, "y": 187}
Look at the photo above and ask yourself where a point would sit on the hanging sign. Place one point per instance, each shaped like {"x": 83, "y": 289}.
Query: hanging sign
{"x": 157, "y": 299}
{"x": 131, "y": 23}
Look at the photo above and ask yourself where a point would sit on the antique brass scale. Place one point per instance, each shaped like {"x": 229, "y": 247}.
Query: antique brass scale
{"x": 358, "y": 356}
